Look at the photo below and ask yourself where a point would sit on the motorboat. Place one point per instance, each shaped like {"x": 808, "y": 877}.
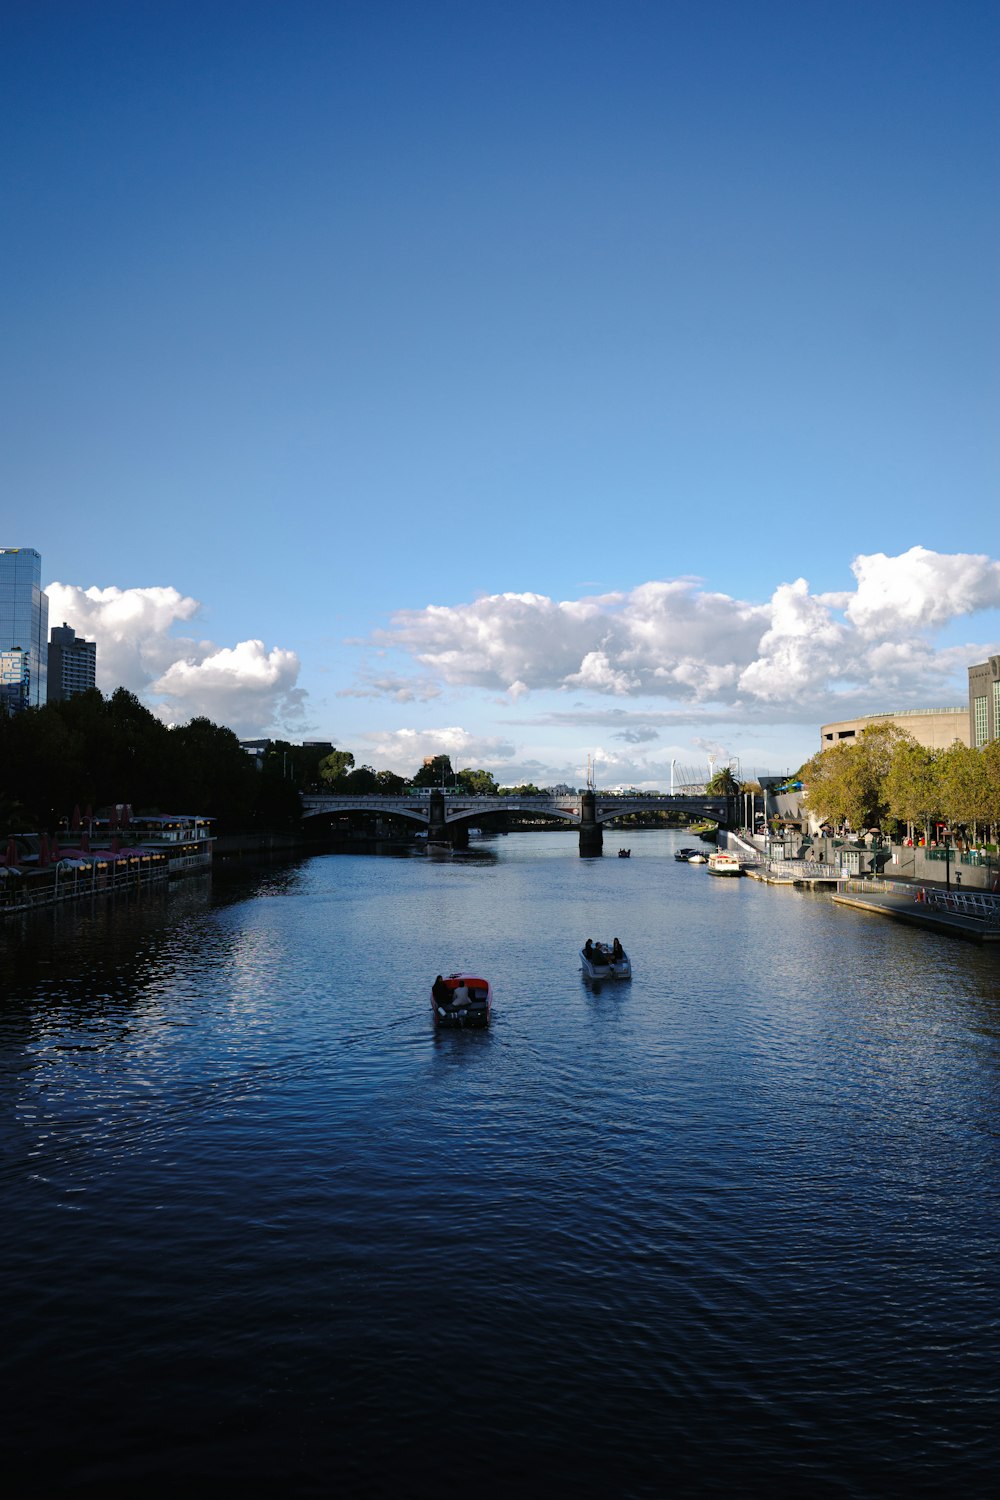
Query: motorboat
{"x": 601, "y": 964}
{"x": 461, "y": 1000}
{"x": 697, "y": 859}
{"x": 685, "y": 855}
{"x": 721, "y": 863}
{"x": 624, "y": 854}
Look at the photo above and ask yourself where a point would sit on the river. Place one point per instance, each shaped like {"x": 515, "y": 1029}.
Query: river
{"x": 727, "y": 1228}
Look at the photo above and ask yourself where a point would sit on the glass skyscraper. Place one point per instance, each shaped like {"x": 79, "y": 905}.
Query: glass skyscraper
{"x": 24, "y": 628}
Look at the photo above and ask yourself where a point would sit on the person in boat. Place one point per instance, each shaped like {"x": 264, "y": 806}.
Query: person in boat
{"x": 441, "y": 992}
{"x": 617, "y": 952}
{"x": 588, "y": 950}
{"x": 460, "y": 995}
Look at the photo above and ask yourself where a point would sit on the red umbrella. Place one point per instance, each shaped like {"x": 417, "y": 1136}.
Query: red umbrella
{"x": 44, "y": 856}
{"x": 11, "y": 851}
{"x": 74, "y": 821}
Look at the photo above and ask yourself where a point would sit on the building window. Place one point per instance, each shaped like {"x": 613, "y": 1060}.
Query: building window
{"x": 981, "y": 728}
{"x": 996, "y": 710}
{"x": 845, "y": 734}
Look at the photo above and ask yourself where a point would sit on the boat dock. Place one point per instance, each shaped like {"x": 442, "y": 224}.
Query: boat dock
{"x": 963, "y": 914}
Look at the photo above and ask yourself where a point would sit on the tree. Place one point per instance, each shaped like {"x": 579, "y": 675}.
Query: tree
{"x": 847, "y": 783}
{"x": 360, "y": 783}
{"x": 435, "y": 772}
{"x": 334, "y": 767}
{"x": 912, "y": 786}
{"x": 389, "y": 784}
{"x": 723, "y": 784}
{"x": 826, "y": 780}
{"x": 478, "y": 783}
{"x": 991, "y": 771}
{"x": 217, "y": 777}
{"x": 965, "y": 796}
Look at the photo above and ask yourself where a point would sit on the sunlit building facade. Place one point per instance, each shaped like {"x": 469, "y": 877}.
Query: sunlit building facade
{"x": 984, "y": 701}
{"x": 935, "y": 728}
{"x": 24, "y": 628}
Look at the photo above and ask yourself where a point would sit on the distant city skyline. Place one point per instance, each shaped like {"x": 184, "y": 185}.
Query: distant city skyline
{"x": 516, "y": 382}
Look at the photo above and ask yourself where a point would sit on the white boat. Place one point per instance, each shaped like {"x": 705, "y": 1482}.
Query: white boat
{"x": 601, "y": 965}
{"x": 722, "y": 863}
{"x": 697, "y": 859}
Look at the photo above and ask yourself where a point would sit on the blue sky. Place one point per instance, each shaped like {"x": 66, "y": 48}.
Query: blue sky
{"x": 485, "y": 377}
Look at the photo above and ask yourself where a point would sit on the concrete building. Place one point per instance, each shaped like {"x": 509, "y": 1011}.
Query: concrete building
{"x": 24, "y": 629}
{"x": 984, "y": 702}
{"x": 936, "y": 728}
{"x": 72, "y": 663}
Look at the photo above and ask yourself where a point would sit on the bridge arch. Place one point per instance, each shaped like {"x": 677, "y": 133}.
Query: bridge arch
{"x": 448, "y": 815}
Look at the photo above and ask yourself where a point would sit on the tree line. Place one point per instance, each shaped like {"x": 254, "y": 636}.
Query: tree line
{"x": 90, "y": 751}
{"x": 337, "y": 773}
{"x": 887, "y": 780}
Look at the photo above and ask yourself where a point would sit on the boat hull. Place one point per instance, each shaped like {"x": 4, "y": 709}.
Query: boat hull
{"x": 474, "y": 1014}
{"x": 620, "y": 970}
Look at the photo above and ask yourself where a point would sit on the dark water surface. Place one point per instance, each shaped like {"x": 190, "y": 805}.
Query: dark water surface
{"x": 728, "y": 1229}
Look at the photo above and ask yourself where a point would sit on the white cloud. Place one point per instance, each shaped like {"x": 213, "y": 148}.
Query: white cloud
{"x": 597, "y": 673}
{"x": 404, "y": 750}
{"x": 919, "y": 590}
{"x": 393, "y": 685}
{"x": 798, "y": 657}
{"x": 247, "y": 687}
{"x": 803, "y": 644}
{"x": 232, "y": 685}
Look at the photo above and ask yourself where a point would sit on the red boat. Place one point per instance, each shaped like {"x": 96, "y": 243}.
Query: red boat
{"x": 461, "y": 1000}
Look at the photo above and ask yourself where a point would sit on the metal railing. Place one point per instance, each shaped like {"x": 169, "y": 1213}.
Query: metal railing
{"x": 876, "y": 885}
{"x": 977, "y": 905}
{"x": 982, "y": 908}
{"x": 60, "y": 884}
{"x": 804, "y": 869}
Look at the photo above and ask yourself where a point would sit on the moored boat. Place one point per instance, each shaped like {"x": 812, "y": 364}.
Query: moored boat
{"x": 722, "y": 863}
{"x": 697, "y": 859}
{"x": 461, "y": 1000}
{"x": 684, "y": 856}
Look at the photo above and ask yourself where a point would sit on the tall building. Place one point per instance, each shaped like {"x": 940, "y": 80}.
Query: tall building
{"x": 984, "y": 701}
{"x": 24, "y": 628}
{"x": 72, "y": 663}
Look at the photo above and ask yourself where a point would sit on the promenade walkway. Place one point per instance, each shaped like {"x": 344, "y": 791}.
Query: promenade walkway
{"x": 972, "y": 915}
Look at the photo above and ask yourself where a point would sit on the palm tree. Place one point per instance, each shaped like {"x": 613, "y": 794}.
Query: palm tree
{"x": 723, "y": 784}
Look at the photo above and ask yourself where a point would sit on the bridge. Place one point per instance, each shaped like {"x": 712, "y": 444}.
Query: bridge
{"x": 447, "y": 816}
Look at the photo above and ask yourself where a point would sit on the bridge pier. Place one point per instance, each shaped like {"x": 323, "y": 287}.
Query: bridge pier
{"x": 591, "y": 832}
{"x": 437, "y": 828}
{"x": 441, "y": 832}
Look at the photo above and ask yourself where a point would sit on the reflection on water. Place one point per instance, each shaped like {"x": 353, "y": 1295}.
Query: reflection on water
{"x": 727, "y": 1228}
